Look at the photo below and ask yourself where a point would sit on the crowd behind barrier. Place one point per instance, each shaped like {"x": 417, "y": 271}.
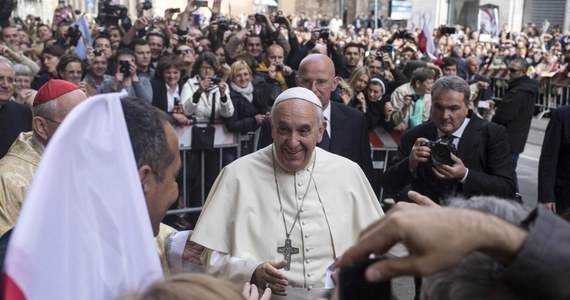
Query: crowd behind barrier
{"x": 234, "y": 67}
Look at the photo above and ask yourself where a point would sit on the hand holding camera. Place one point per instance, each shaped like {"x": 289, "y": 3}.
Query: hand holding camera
{"x": 454, "y": 171}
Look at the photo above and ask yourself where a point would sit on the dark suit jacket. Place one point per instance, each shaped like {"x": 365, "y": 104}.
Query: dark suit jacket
{"x": 484, "y": 150}
{"x": 350, "y": 136}
{"x": 14, "y": 118}
{"x": 554, "y": 165}
{"x": 515, "y": 111}
{"x": 159, "y": 97}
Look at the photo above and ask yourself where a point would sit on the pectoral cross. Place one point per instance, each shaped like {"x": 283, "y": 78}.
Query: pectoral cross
{"x": 287, "y": 250}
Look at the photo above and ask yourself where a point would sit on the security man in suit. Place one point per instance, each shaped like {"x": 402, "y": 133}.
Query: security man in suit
{"x": 480, "y": 166}
{"x": 346, "y": 133}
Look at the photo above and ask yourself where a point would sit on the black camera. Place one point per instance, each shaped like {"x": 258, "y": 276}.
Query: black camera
{"x": 147, "y": 5}
{"x": 97, "y": 52}
{"x": 448, "y": 30}
{"x": 354, "y": 286}
{"x": 182, "y": 40}
{"x": 216, "y": 80}
{"x": 124, "y": 67}
{"x": 278, "y": 68}
{"x": 201, "y": 3}
{"x": 324, "y": 34}
{"x": 110, "y": 14}
{"x": 414, "y": 97}
{"x": 441, "y": 150}
{"x": 74, "y": 34}
{"x": 173, "y": 10}
{"x": 280, "y": 19}
{"x": 223, "y": 24}
{"x": 259, "y": 18}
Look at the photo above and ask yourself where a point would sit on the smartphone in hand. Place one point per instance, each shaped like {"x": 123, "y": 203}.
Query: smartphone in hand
{"x": 354, "y": 286}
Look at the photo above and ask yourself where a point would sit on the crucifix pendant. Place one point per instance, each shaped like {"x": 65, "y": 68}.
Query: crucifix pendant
{"x": 287, "y": 250}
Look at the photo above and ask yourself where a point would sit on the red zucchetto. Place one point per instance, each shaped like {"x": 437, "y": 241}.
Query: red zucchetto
{"x": 53, "y": 89}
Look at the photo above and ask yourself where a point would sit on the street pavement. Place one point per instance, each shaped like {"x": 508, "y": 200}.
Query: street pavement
{"x": 527, "y": 173}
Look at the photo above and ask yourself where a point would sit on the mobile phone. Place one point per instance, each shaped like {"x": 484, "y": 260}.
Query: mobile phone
{"x": 354, "y": 286}
{"x": 124, "y": 67}
{"x": 448, "y": 30}
{"x": 483, "y": 104}
{"x": 216, "y": 80}
{"x": 201, "y": 3}
{"x": 97, "y": 52}
{"x": 174, "y": 10}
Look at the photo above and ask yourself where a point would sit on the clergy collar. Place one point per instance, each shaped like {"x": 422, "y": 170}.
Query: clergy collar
{"x": 305, "y": 168}
{"x": 457, "y": 133}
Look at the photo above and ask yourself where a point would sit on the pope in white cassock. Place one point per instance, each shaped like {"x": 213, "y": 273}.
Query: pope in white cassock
{"x": 280, "y": 216}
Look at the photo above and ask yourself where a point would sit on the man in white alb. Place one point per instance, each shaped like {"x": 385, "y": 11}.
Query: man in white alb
{"x": 280, "y": 216}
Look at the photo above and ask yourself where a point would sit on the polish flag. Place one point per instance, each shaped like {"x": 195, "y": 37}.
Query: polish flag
{"x": 84, "y": 231}
{"x": 425, "y": 42}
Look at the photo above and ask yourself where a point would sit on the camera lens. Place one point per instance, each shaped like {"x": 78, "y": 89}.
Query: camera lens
{"x": 440, "y": 155}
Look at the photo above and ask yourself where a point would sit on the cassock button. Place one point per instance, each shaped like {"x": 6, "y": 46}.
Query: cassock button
{"x": 310, "y": 287}
{"x": 299, "y": 183}
{"x": 309, "y": 274}
{"x": 308, "y": 249}
{"x": 307, "y": 235}
{"x": 308, "y": 261}
{"x": 300, "y": 197}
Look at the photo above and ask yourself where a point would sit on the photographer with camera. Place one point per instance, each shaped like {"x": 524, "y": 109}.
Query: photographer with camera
{"x": 321, "y": 41}
{"x": 412, "y": 101}
{"x": 96, "y": 72}
{"x": 481, "y": 164}
{"x": 126, "y": 77}
{"x": 255, "y": 41}
{"x": 272, "y": 71}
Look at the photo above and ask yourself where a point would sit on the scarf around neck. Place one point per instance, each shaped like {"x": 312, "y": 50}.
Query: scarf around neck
{"x": 246, "y": 92}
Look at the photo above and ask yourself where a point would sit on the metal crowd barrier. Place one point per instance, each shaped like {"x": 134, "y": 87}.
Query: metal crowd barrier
{"x": 223, "y": 139}
{"x": 383, "y": 145}
{"x": 554, "y": 89}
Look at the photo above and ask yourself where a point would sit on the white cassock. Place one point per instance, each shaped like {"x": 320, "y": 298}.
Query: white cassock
{"x": 242, "y": 225}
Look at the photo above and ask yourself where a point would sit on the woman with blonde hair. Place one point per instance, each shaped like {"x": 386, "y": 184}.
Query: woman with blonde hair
{"x": 249, "y": 103}
{"x": 358, "y": 81}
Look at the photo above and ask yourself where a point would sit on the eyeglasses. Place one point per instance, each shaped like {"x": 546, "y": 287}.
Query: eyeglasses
{"x": 308, "y": 83}
{"x": 7, "y": 80}
{"x": 513, "y": 70}
{"x": 51, "y": 120}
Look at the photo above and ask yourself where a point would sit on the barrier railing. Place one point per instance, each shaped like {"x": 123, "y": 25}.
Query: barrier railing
{"x": 554, "y": 88}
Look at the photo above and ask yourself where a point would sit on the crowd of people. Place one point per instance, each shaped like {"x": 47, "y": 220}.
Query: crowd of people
{"x": 312, "y": 89}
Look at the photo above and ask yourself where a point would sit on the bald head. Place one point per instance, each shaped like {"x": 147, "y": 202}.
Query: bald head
{"x": 275, "y": 55}
{"x": 472, "y": 63}
{"x": 316, "y": 73}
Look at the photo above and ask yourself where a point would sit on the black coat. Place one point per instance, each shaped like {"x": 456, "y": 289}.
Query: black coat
{"x": 159, "y": 96}
{"x": 243, "y": 119}
{"x": 14, "y": 119}
{"x": 516, "y": 109}
{"x": 554, "y": 164}
{"x": 483, "y": 149}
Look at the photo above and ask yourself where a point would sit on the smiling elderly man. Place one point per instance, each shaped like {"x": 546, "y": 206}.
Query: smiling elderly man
{"x": 278, "y": 217}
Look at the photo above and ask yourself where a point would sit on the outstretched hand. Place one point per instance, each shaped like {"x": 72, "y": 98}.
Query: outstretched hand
{"x": 436, "y": 239}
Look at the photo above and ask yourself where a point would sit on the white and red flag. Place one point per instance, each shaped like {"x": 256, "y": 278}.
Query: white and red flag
{"x": 425, "y": 41}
